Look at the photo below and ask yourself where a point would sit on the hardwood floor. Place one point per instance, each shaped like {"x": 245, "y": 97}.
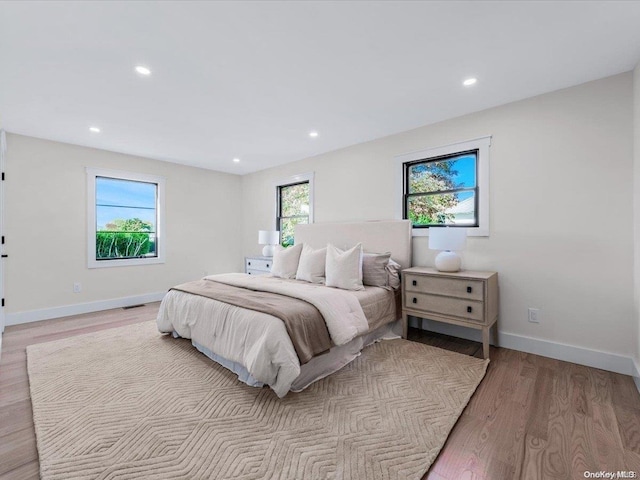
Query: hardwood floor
{"x": 18, "y": 452}
{"x": 531, "y": 418}
{"x": 534, "y": 417}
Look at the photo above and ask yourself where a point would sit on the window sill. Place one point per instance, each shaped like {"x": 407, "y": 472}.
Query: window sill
{"x": 124, "y": 262}
{"x": 471, "y": 232}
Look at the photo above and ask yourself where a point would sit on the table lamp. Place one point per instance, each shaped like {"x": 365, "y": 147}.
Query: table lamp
{"x": 448, "y": 239}
{"x": 268, "y": 238}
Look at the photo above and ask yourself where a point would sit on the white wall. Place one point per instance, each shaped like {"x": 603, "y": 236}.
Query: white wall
{"x": 561, "y": 177}
{"x": 636, "y": 213}
{"x": 46, "y": 226}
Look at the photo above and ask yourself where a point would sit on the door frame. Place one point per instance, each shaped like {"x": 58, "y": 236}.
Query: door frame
{"x": 3, "y": 154}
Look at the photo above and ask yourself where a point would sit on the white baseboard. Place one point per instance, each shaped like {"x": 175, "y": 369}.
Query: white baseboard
{"x": 611, "y": 362}
{"x": 80, "y": 308}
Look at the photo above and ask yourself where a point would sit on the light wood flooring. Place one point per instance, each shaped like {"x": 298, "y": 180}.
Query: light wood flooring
{"x": 531, "y": 418}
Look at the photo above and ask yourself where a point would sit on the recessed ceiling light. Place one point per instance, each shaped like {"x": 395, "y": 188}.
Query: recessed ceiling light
{"x": 143, "y": 70}
{"x": 236, "y": 160}
{"x": 469, "y": 81}
{"x": 313, "y": 134}
{"x": 94, "y": 129}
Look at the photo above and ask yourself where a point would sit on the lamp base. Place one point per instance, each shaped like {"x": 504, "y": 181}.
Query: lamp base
{"x": 448, "y": 261}
{"x": 268, "y": 250}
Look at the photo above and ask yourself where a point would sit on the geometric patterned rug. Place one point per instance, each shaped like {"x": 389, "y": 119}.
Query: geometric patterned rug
{"x": 130, "y": 403}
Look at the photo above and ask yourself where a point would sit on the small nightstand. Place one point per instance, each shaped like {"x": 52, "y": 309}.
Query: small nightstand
{"x": 465, "y": 298}
{"x": 257, "y": 265}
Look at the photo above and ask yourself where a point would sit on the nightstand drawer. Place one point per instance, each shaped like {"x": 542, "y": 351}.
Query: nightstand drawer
{"x": 257, "y": 272}
{"x": 453, "y": 287}
{"x": 464, "y": 309}
{"x": 257, "y": 264}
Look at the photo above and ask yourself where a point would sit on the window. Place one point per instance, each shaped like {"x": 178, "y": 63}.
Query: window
{"x": 125, "y": 218}
{"x": 294, "y": 205}
{"x": 442, "y": 191}
{"x": 446, "y": 186}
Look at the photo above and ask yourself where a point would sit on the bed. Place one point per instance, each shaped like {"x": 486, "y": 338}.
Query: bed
{"x": 263, "y": 347}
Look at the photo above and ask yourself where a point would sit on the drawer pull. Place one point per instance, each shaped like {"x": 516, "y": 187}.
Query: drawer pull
{"x": 469, "y": 309}
{"x": 469, "y": 289}
{"x": 249, "y": 273}
{"x": 415, "y": 300}
{"x": 267, "y": 265}
{"x": 249, "y": 263}
{"x": 414, "y": 283}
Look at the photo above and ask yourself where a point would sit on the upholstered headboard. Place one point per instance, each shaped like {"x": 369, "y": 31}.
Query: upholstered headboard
{"x": 376, "y": 237}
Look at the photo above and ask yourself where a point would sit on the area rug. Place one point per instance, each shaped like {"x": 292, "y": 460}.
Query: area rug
{"x": 130, "y": 403}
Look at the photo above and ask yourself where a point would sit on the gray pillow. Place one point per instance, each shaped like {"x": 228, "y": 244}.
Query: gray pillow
{"x": 393, "y": 274}
{"x": 374, "y": 272}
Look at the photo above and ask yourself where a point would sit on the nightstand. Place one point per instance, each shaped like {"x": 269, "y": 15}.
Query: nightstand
{"x": 257, "y": 265}
{"x": 465, "y": 298}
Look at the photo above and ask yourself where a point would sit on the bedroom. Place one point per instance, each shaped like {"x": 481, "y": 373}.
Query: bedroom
{"x": 564, "y": 130}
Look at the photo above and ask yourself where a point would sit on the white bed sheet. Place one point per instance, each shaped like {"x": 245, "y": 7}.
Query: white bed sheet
{"x": 320, "y": 366}
{"x": 257, "y": 341}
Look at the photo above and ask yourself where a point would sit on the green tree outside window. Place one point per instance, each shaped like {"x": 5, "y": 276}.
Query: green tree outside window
{"x": 293, "y": 209}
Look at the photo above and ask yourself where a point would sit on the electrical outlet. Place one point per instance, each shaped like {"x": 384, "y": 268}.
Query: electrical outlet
{"x": 77, "y": 287}
{"x": 534, "y": 315}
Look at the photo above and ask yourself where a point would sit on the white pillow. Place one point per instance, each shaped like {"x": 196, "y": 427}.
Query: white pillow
{"x": 311, "y": 264}
{"x": 285, "y": 262}
{"x": 344, "y": 269}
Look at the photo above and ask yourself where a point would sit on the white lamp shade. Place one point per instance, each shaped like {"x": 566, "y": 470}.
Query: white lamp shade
{"x": 268, "y": 237}
{"x": 446, "y": 238}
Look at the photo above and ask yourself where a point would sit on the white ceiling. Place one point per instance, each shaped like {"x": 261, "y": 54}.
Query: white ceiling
{"x": 251, "y": 79}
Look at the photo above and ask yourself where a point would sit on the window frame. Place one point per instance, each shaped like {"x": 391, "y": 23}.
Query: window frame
{"x": 481, "y": 145}
{"x": 289, "y": 181}
{"x": 92, "y": 174}
{"x": 442, "y": 158}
